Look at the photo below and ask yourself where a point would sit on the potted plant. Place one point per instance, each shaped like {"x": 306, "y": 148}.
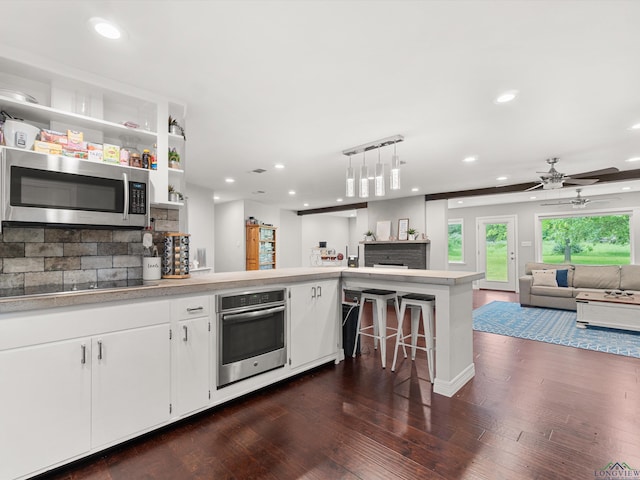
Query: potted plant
{"x": 369, "y": 236}
{"x": 412, "y": 232}
{"x": 174, "y": 196}
{"x": 176, "y": 128}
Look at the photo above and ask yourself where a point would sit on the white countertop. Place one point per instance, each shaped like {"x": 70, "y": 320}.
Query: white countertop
{"x": 212, "y": 282}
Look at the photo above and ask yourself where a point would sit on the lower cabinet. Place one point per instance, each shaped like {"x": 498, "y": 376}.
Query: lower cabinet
{"x": 314, "y": 320}
{"x": 193, "y": 361}
{"x": 130, "y": 383}
{"x": 45, "y": 405}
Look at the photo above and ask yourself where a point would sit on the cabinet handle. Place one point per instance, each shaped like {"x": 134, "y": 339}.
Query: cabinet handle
{"x": 99, "y": 349}
{"x": 319, "y": 291}
{"x": 83, "y": 348}
{"x": 194, "y": 309}
{"x": 313, "y": 292}
{"x": 186, "y": 333}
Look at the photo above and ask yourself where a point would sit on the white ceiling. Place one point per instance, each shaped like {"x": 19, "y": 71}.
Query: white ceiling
{"x": 298, "y": 82}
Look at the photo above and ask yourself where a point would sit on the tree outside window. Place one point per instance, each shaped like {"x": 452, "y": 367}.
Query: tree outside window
{"x": 587, "y": 240}
{"x": 456, "y": 250}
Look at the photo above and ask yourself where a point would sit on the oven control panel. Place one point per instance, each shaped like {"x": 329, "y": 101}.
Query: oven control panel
{"x": 243, "y": 300}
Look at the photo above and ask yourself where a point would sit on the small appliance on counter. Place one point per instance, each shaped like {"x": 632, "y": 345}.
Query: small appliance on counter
{"x": 175, "y": 260}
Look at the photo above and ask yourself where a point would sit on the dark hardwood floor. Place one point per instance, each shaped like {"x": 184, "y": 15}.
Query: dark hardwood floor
{"x": 533, "y": 411}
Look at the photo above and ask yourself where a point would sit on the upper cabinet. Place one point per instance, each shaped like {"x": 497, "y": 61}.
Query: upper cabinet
{"x": 106, "y": 112}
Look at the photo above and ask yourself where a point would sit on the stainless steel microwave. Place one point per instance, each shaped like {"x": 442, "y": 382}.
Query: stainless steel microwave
{"x": 48, "y": 189}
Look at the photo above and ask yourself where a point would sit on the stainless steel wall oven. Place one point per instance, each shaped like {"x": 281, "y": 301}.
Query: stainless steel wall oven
{"x": 251, "y": 334}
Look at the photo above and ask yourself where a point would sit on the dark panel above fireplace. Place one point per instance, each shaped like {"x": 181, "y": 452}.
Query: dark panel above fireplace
{"x": 410, "y": 254}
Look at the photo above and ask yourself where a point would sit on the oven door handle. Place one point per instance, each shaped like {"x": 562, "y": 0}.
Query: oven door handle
{"x": 240, "y": 317}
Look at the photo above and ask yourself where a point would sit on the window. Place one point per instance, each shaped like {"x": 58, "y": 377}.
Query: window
{"x": 595, "y": 239}
{"x": 456, "y": 244}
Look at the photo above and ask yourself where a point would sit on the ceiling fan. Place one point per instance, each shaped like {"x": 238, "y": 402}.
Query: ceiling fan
{"x": 554, "y": 179}
{"x": 578, "y": 202}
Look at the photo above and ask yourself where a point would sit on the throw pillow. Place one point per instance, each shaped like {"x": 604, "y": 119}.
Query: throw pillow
{"x": 562, "y": 278}
{"x": 544, "y": 278}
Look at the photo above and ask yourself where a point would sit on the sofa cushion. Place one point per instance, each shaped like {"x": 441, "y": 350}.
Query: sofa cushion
{"x": 529, "y": 266}
{"x": 552, "y": 291}
{"x": 596, "y": 276}
{"x": 562, "y": 277}
{"x": 630, "y": 277}
{"x": 544, "y": 278}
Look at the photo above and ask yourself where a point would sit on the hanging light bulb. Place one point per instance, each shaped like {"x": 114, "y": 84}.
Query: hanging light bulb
{"x": 351, "y": 180}
{"x": 379, "y": 179}
{"x": 394, "y": 181}
{"x": 364, "y": 178}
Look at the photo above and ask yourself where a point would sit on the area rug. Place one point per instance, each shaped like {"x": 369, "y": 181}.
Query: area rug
{"x": 552, "y": 326}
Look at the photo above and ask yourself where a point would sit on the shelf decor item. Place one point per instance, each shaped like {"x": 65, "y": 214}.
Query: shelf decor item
{"x": 175, "y": 261}
{"x": 403, "y": 226}
{"x": 369, "y": 236}
{"x": 412, "y": 232}
{"x": 175, "y": 128}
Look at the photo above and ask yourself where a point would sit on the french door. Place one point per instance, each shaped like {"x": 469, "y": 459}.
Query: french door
{"x": 496, "y": 252}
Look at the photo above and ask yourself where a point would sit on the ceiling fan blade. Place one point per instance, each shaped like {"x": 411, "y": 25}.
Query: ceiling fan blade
{"x": 580, "y": 181}
{"x": 596, "y": 173}
{"x": 534, "y": 187}
{"x": 557, "y": 203}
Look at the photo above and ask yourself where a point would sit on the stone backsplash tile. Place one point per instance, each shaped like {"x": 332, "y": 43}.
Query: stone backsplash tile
{"x": 43, "y": 278}
{"x": 50, "y": 259}
{"x": 19, "y": 265}
{"x": 61, "y": 235}
{"x": 62, "y": 263}
{"x": 13, "y": 234}
{"x": 113, "y": 248}
{"x": 80, "y": 249}
{"x": 94, "y": 262}
{"x": 12, "y": 250}
{"x": 43, "y": 249}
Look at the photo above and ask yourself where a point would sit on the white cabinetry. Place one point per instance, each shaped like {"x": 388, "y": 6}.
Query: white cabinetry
{"x": 75, "y": 379}
{"x": 314, "y": 315}
{"x": 45, "y": 409}
{"x": 130, "y": 382}
{"x": 192, "y": 343}
{"x": 73, "y": 100}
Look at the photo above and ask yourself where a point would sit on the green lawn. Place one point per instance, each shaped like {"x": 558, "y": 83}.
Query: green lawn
{"x": 602, "y": 254}
{"x": 496, "y": 261}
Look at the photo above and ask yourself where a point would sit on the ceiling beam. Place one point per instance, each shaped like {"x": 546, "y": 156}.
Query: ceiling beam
{"x": 521, "y": 187}
{"x": 337, "y": 208}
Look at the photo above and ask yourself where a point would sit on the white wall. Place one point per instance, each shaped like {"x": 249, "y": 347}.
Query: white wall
{"x": 229, "y": 237}
{"x": 201, "y": 222}
{"x": 438, "y": 231}
{"x": 412, "y": 208}
{"x": 289, "y": 244}
{"x": 323, "y": 228}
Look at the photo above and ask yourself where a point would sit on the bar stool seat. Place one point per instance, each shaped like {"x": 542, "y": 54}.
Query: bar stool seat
{"x": 417, "y": 303}
{"x": 379, "y": 328}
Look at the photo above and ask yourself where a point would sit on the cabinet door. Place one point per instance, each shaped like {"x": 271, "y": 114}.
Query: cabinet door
{"x": 131, "y": 382}
{"x": 314, "y": 317}
{"x": 45, "y": 414}
{"x": 193, "y": 340}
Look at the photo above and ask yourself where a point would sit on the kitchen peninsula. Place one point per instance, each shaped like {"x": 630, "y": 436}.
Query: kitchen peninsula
{"x": 74, "y": 361}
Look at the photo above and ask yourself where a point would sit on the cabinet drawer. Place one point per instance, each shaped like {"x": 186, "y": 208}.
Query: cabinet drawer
{"x": 189, "y": 307}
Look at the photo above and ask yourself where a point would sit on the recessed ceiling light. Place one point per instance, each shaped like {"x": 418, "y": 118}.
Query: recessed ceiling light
{"x": 633, "y": 159}
{"x": 216, "y": 197}
{"x": 635, "y": 126}
{"x": 502, "y": 178}
{"x": 305, "y": 204}
{"x": 469, "y": 159}
{"x": 460, "y": 201}
{"x": 532, "y": 197}
{"x": 415, "y": 189}
{"x": 279, "y": 166}
{"x": 105, "y": 28}
{"x": 626, "y": 188}
{"x": 229, "y": 180}
{"x": 338, "y": 200}
{"x": 292, "y": 192}
{"x": 506, "y": 97}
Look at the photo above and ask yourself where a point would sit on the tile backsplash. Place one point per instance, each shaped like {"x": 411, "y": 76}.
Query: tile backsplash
{"x": 50, "y": 259}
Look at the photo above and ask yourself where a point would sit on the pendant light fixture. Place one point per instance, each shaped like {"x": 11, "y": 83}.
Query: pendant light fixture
{"x": 379, "y": 179}
{"x": 351, "y": 181}
{"x": 364, "y": 178}
{"x": 394, "y": 180}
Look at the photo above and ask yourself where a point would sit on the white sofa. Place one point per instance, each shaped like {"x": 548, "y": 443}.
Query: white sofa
{"x": 580, "y": 278}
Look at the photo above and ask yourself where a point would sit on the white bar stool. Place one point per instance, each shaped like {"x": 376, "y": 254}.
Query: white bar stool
{"x": 379, "y": 298}
{"x": 418, "y": 304}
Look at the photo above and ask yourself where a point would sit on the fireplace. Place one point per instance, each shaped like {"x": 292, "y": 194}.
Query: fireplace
{"x": 409, "y": 254}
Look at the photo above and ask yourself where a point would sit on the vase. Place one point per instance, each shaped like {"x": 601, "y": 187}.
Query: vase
{"x": 412, "y": 237}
